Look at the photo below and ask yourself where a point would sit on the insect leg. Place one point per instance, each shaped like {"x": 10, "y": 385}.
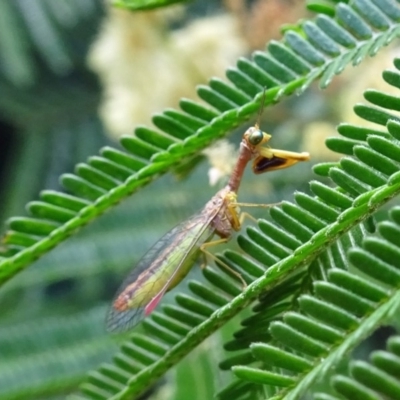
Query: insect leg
{"x": 206, "y": 253}
{"x": 273, "y": 159}
{"x": 243, "y": 215}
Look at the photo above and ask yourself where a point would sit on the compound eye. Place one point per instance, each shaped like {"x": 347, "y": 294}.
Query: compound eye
{"x": 256, "y": 137}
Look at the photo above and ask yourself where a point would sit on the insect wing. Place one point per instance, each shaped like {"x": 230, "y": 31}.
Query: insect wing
{"x": 152, "y": 276}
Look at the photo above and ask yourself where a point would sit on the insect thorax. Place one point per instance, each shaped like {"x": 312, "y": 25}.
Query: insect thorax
{"x": 227, "y": 218}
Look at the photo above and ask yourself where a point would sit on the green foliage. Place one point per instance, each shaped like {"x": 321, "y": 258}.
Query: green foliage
{"x": 138, "y": 5}
{"x": 370, "y": 380}
{"x": 42, "y": 373}
{"x": 321, "y": 278}
{"x": 284, "y": 68}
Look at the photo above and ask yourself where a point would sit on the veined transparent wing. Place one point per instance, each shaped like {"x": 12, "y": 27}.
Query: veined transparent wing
{"x": 159, "y": 270}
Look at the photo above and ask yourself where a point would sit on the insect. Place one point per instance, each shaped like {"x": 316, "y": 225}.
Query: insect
{"x": 171, "y": 258}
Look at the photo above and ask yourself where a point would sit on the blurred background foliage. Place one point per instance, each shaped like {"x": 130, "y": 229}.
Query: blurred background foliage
{"x": 74, "y": 76}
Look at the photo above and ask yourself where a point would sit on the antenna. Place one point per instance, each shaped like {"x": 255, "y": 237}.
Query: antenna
{"x": 261, "y": 109}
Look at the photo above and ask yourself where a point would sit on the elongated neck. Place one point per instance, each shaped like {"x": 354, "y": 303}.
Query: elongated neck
{"x": 245, "y": 156}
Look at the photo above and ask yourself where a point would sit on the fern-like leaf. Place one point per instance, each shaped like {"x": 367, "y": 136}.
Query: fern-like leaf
{"x": 347, "y": 305}
{"x": 375, "y": 379}
{"x": 136, "y": 5}
{"x": 301, "y": 234}
{"x": 326, "y": 47}
{"x": 346, "y": 308}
